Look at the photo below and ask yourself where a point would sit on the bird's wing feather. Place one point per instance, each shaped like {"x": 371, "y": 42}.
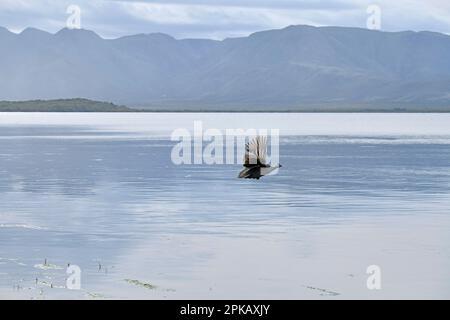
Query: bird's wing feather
{"x": 256, "y": 151}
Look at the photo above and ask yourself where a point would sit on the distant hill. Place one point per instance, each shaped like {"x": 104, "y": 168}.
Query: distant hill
{"x": 62, "y": 105}
{"x": 298, "y": 68}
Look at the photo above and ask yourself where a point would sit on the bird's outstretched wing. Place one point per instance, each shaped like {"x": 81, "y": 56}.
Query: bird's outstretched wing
{"x": 256, "y": 151}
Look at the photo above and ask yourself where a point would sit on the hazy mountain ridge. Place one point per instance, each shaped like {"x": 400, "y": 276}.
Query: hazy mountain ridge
{"x": 296, "y": 68}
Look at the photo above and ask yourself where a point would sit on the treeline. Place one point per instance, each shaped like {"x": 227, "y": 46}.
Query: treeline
{"x": 61, "y": 105}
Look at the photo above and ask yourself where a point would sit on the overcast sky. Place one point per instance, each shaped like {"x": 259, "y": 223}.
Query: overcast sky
{"x": 219, "y": 19}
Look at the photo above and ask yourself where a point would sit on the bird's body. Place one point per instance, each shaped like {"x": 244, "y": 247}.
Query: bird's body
{"x": 256, "y": 172}
{"x": 255, "y": 165}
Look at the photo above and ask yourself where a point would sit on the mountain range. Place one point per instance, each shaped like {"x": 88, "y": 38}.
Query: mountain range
{"x": 298, "y": 68}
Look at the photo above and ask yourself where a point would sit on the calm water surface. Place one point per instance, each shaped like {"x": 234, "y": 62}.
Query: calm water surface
{"x": 100, "y": 191}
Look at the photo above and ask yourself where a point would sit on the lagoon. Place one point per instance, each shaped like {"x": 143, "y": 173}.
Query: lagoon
{"x": 100, "y": 191}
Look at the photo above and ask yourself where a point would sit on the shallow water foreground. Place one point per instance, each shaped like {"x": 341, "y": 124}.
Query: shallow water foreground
{"x": 103, "y": 194}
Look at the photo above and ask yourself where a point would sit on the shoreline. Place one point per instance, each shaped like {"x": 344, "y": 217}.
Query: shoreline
{"x": 231, "y": 111}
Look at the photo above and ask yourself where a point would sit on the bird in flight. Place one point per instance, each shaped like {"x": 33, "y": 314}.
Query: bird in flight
{"x": 255, "y": 164}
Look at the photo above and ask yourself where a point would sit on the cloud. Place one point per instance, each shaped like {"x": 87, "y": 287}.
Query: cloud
{"x": 221, "y": 18}
{"x": 336, "y": 5}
